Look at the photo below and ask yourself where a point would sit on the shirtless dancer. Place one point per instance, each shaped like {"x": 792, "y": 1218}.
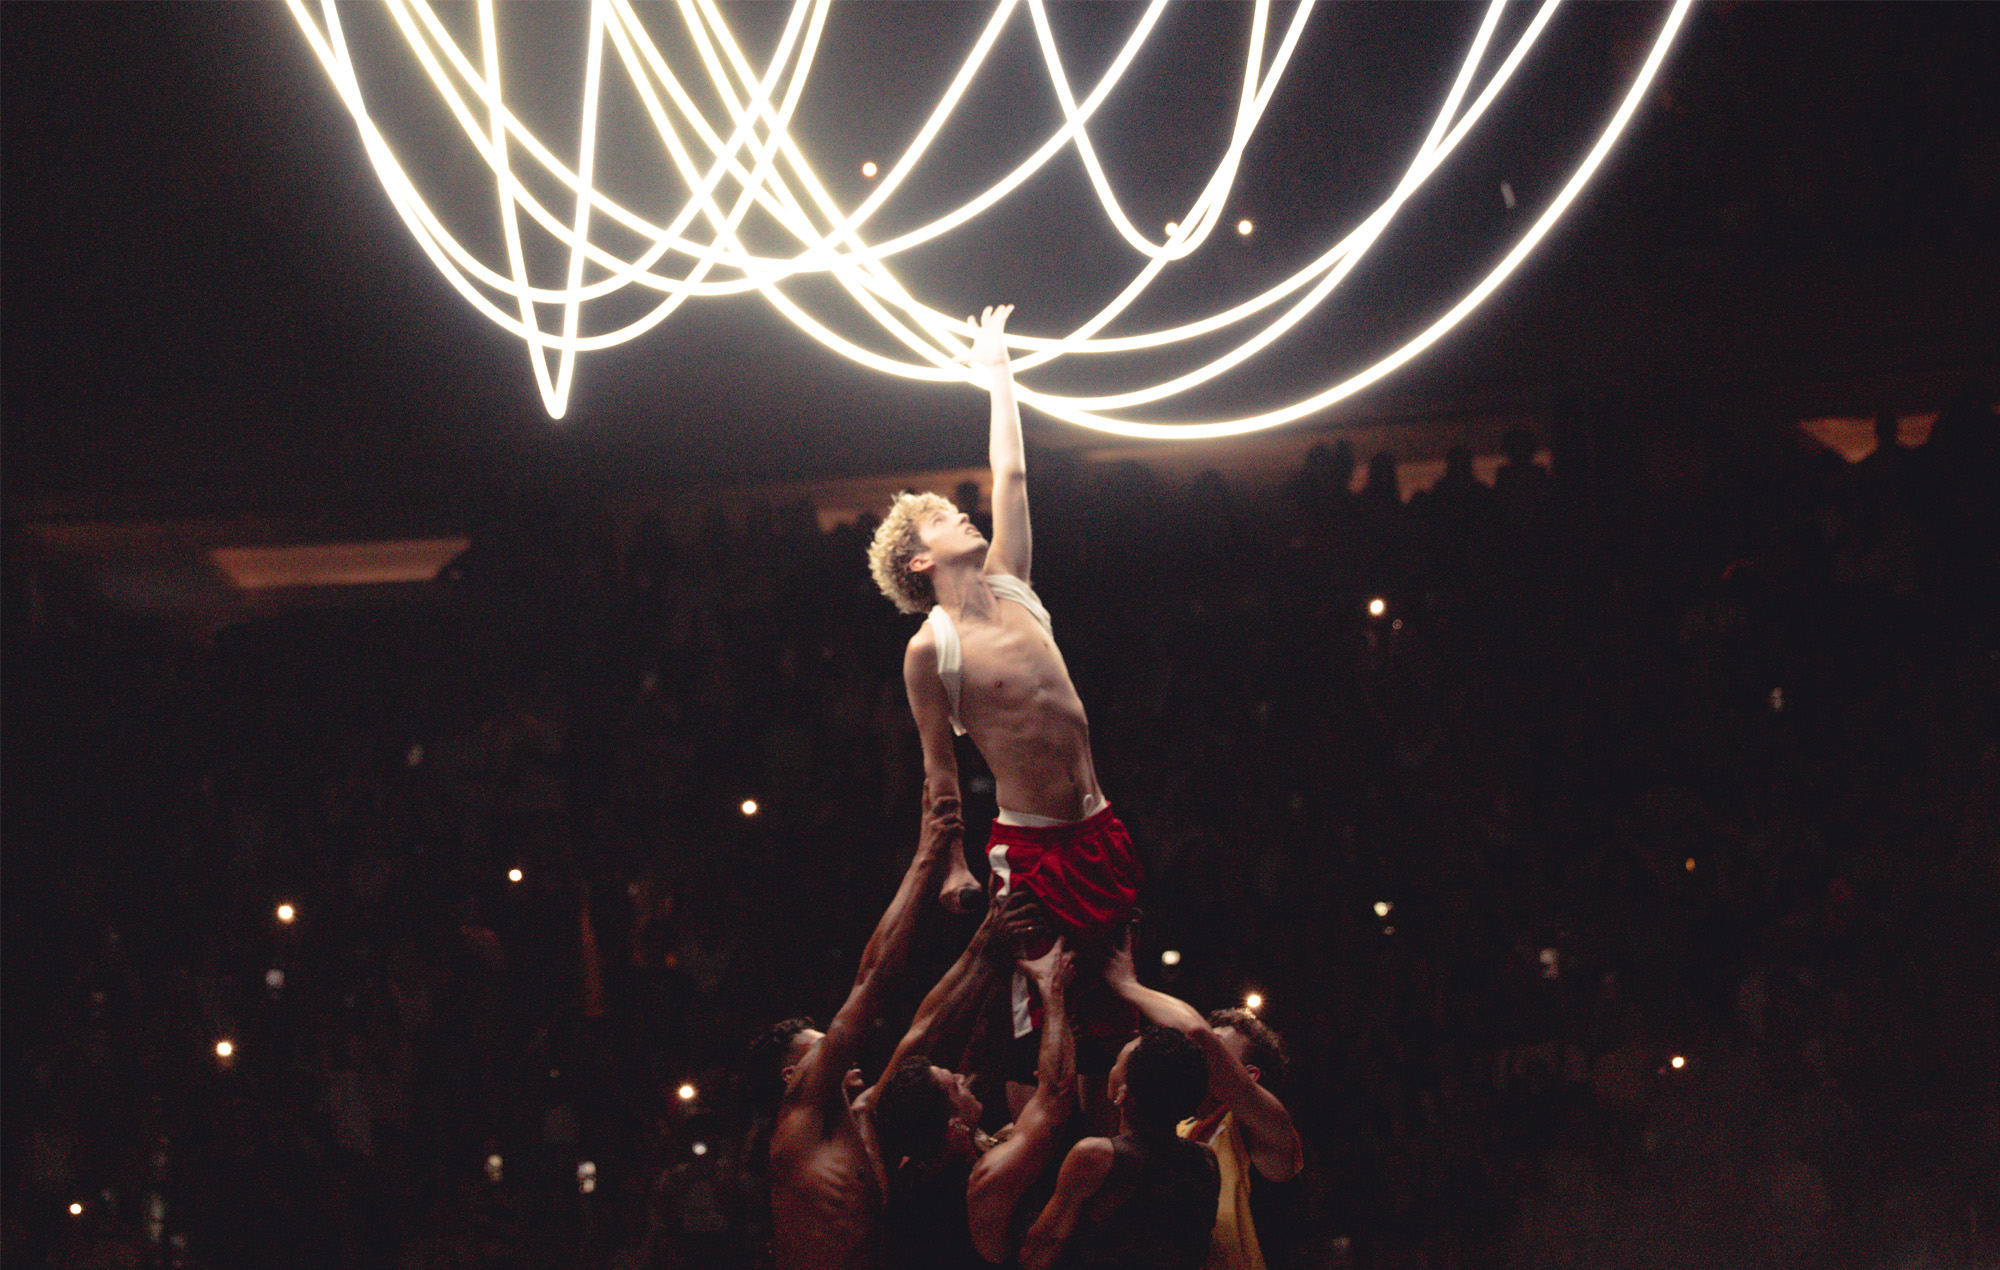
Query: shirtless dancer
{"x": 826, "y": 1185}
{"x": 985, "y": 664}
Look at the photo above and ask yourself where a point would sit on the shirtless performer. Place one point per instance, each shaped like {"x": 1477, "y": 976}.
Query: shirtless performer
{"x": 826, "y": 1186}
{"x": 956, "y": 1195}
{"x": 985, "y": 663}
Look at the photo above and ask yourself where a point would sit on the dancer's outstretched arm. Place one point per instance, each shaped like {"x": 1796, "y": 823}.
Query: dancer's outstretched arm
{"x": 1267, "y": 1127}
{"x": 1012, "y": 547}
{"x": 1004, "y": 1174}
{"x": 944, "y": 1022}
{"x": 826, "y": 1064}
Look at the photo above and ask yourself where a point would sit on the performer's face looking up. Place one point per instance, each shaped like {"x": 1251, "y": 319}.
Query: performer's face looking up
{"x": 948, "y": 538}
{"x": 965, "y": 1108}
{"x": 802, "y": 1044}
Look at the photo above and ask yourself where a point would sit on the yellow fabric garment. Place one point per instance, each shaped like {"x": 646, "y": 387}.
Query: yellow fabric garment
{"x": 1233, "y": 1244}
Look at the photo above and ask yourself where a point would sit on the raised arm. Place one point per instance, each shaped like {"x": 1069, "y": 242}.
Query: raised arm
{"x": 1013, "y": 545}
{"x": 1084, "y": 1171}
{"x": 881, "y": 961}
{"x": 1268, "y": 1132}
{"x": 1004, "y": 1174}
{"x": 944, "y": 1021}
{"x": 932, "y": 711}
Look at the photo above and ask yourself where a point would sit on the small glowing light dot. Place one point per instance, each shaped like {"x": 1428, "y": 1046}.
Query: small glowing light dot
{"x": 1688, "y": 864}
{"x": 1254, "y": 1001}
{"x": 223, "y": 1049}
{"x": 274, "y": 979}
{"x": 1548, "y": 956}
{"x": 699, "y": 1148}
{"x": 1170, "y": 957}
{"x": 1382, "y": 908}
{"x": 1173, "y": 227}
{"x": 414, "y": 756}
{"x": 1244, "y": 227}
{"x": 286, "y": 912}
{"x": 1377, "y": 607}
{"x": 1678, "y": 1062}
{"x": 868, "y": 168}
{"x": 76, "y": 1210}
{"x": 686, "y": 1093}
{"x": 749, "y": 806}
{"x": 1388, "y": 930}
{"x": 513, "y": 875}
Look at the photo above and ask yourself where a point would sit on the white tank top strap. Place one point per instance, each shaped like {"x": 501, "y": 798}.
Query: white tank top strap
{"x": 951, "y": 658}
{"x": 951, "y": 661}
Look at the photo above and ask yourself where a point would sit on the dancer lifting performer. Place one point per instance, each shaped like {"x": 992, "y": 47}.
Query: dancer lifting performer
{"x": 985, "y": 664}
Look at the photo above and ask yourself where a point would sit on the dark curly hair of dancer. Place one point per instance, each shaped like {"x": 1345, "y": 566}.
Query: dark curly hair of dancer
{"x": 911, "y": 1113}
{"x": 1263, "y": 1048}
{"x": 1166, "y": 1077}
{"x": 760, "y": 1076}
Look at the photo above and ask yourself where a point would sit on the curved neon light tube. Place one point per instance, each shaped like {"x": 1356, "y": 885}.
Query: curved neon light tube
{"x": 857, "y": 266}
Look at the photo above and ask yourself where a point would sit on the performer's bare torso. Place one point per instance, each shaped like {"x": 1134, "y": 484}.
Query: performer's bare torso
{"x": 1019, "y": 707}
{"x": 826, "y": 1201}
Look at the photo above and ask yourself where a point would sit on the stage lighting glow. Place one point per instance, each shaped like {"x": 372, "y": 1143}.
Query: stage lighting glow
{"x": 1253, "y": 1001}
{"x": 493, "y": 1165}
{"x": 1170, "y": 957}
{"x": 1382, "y": 908}
{"x": 225, "y": 1049}
{"x": 1377, "y": 607}
{"x": 1688, "y": 864}
{"x": 513, "y": 875}
{"x": 76, "y": 1210}
{"x": 699, "y": 1148}
{"x": 749, "y": 807}
{"x": 750, "y": 149}
{"x": 586, "y": 1177}
{"x": 685, "y": 1093}
{"x": 274, "y": 979}
{"x": 1677, "y": 1062}
{"x": 286, "y": 913}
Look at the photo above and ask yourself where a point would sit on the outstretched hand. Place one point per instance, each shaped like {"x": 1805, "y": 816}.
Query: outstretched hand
{"x": 988, "y": 355}
{"x": 1118, "y": 967}
{"x": 1051, "y": 971}
{"x": 1019, "y": 919}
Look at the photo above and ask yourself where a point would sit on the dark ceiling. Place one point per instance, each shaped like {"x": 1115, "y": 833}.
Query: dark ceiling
{"x": 211, "y": 306}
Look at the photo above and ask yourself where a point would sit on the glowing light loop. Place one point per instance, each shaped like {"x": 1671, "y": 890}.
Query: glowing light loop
{"x": 753, "y": 148}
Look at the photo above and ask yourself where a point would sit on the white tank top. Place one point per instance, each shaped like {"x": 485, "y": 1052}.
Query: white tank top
{"x": 951, "y": 658}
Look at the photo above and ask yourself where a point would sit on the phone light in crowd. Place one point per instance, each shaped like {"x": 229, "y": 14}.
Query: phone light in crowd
{"x": 1244, "y": 227}
{"x": 1253, "y": 1001}
{"x": 1677, "y": 1062}
{"x": 1170, "y": 957}
{"x": 749, "y": 806}
{"x": 493, "y": 1164}
{"x": 869, "y": 169}
{"x": 586, "y": 1178}
{"x": 1382, "y": 908}
{"x": 225, "y": 1049}
{"x": 76, "y": 1210}
{"x": 286, "y": 913}
{"x": 685, "y": 1093}
{"x": 1377, "y": 606}
{"x": 513, "y": 875}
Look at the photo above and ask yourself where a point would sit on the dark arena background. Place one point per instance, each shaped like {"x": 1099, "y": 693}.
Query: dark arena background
{"x": 1584, "y": 743}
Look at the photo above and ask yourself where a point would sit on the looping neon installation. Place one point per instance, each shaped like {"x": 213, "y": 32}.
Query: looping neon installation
{"x": 753, "y": 152}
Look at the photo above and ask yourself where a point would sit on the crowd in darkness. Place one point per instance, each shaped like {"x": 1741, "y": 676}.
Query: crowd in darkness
{"x": 1627, "y": 882}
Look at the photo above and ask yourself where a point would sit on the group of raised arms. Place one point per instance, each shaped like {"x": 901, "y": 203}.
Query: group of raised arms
{"x": 1137, "y": 1135}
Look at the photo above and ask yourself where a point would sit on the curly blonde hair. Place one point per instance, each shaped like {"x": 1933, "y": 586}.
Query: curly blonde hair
{"x": 896, "y": 544}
